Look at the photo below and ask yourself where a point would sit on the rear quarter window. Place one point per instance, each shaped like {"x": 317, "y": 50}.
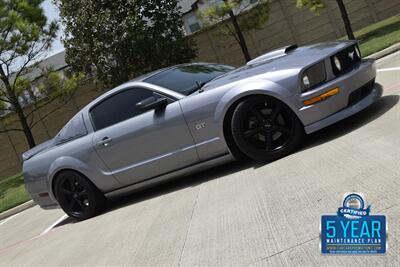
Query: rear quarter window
{"x": 74, "y": 129}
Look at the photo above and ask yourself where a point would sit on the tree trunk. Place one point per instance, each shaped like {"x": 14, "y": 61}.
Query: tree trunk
{"x": 242, "y": 41}
{"x": 25, "y": 126}
{"x": 346, "y": 19}
{"x": 20, "y": 112}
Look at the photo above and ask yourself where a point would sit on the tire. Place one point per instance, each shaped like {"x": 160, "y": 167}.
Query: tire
{"x": 265, "y": 129}
{"x": 77, "y": 196}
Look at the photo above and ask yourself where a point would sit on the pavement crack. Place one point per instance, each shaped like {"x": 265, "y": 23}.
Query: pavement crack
{"x": 280, "y": 252}
{"x": 190, "y": 225}
{"x": 387, "y": 208}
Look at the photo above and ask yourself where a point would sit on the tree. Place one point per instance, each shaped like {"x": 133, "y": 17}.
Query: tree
{"x": 25, "y": 37}
{"x": 244, "y": 15}
{"x": 50, "y": 90}
{"x": 317, "y": 5}
{"x": 119, "y": 39}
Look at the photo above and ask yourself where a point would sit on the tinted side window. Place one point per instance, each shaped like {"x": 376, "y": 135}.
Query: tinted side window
{"x": 73, "y": 129}
{"x": 119, "y": 107}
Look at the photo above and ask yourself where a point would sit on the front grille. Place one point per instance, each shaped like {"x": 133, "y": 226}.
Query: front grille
{"x": 348, "y": 58}
{"x": 360, "y": 93}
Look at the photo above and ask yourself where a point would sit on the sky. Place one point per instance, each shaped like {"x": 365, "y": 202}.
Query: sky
{"x": 52, "y": 13}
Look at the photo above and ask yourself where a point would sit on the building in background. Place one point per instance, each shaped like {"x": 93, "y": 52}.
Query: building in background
{"x": 54, "y": 62}
{"x": 190, "y": 21}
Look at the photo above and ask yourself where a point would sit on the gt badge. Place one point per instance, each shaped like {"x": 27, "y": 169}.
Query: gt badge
{"x": 200, "y": 126}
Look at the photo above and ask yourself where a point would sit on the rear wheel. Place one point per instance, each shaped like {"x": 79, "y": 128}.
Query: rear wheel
{"x": 265, "y": 129}
{"x": 77, "y": 196}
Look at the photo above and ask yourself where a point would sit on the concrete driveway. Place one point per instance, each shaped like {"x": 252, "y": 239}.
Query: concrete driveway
{"x": 239, "y": 214}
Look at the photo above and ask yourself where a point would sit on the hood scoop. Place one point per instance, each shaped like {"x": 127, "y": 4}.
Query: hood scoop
{"x": 272, "y": 55}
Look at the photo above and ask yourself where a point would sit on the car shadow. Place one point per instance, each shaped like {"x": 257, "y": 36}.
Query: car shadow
{"x": 183, "y": 182}
{"x": 325, "y": 135}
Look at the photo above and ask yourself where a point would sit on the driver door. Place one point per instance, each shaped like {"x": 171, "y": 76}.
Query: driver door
{"x": 138, "y": 144}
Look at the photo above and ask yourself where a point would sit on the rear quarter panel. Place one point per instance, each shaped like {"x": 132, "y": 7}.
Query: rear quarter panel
{"x": 79, "y": 155}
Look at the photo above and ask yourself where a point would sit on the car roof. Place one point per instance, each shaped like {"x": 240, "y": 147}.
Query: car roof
{"x": 144, "y": 77}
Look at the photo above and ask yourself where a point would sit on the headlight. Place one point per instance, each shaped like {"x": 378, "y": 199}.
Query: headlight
{"x": 358, "y": 52}
{"x": 338, "y": 65}
{"x": 313, "y": 76}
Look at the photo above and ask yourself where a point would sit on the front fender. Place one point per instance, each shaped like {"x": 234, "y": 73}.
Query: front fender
{"x": 260, "y": 87}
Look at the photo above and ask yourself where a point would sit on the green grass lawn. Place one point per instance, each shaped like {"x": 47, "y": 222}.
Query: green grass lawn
{"x": 12, "y": 192}
{"x": 378, "y": 36}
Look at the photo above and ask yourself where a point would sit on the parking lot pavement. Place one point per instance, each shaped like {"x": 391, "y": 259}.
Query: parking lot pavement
{"x": 239, "y": 214}
{"x": 25, "y": 226}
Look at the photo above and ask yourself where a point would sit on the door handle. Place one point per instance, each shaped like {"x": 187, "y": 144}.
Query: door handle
{"x": 105, "y": 141}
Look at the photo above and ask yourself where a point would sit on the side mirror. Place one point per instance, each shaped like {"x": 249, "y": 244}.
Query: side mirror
{"x": 152, "y": 102}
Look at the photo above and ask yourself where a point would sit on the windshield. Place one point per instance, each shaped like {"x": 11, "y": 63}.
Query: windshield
{"x": 184, "y": 79}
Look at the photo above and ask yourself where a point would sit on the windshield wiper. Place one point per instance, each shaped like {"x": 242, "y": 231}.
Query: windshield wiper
{"x": 195, "y": 88}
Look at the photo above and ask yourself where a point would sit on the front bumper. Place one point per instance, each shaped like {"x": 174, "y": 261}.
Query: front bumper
{"x": 343, "y": 104}
{"x": 375, "y": 94}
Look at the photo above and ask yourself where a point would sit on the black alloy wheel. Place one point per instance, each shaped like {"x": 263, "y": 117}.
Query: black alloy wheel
{"x": 265, "y": 129}
{"x": 77, "y": 196}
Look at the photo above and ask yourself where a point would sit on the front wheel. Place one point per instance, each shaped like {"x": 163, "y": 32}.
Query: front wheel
{"x": 265, "y": 129}
{"x": 77, "y": 196}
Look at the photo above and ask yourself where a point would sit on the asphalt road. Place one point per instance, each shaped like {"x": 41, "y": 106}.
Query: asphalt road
{"x": 238, "y": 214}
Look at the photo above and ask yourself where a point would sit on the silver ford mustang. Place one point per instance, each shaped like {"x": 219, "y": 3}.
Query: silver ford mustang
{"x": 189, "y": 117}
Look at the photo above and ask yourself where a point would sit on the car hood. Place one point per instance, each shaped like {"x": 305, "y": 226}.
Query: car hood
{"x": 279, "y": 65}
{"x": 37, "y": 149}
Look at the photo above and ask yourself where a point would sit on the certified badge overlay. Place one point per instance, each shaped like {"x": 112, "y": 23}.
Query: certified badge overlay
{"x": 353, "y": 230}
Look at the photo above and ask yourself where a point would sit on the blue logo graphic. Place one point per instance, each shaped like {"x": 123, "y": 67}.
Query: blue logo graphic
{"x": 353, "y": 207}
{"x": 353, "y": 230}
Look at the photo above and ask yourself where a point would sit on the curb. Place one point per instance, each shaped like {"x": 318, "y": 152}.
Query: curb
{"x": 385, "y": 52}
{"x": 17, "y": 209}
